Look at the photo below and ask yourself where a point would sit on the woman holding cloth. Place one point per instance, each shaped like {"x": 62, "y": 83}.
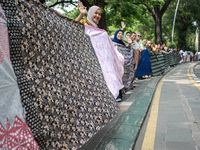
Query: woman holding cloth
{"x": 93, "y": 17}
{"x": 127, "y": 52}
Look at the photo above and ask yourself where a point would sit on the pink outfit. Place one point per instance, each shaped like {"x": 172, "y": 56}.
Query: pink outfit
{"x": 111, "y": 61}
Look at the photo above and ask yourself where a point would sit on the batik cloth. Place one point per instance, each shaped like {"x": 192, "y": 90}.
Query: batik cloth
{"x": 144, "y": 66}
{"x": 14, "y": 132}
{"x": 110, "y": 59}
{"x": 128, "y": 54}
{"x": 60, "y": 79}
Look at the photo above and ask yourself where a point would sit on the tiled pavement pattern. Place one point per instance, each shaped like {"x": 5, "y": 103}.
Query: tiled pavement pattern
{"x": 179, "y": 113}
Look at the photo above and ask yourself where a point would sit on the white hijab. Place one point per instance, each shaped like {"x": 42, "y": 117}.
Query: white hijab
{"x": 91, "y": 12}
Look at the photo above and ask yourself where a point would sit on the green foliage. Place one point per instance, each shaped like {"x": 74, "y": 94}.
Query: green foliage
{"x": 172, "y": 46}
{"x": 134, "y": 16}
{"x": 138, "y": 19}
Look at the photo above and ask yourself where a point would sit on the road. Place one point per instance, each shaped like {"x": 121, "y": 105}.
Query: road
{"x": 173, "y": 120}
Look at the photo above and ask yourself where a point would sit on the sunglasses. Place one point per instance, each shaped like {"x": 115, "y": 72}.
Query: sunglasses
{"x": 139, "y": 35}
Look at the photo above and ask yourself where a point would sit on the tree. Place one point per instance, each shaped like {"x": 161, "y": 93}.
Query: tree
{"x": 156, "y": 9}
{"x": 185, "y": 28}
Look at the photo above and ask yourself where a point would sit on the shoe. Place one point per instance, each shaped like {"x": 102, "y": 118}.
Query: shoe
{"x": 132, "y": 87}
{"x": 118, "y": 99}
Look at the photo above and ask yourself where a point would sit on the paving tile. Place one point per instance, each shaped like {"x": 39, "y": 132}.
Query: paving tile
{"x": 133, "y": 120}
{"x": 124, "y": 107}
{"x": 175, "y": 111}
{"x": 160, "y": 145}
{"x": 178, "y": 128}
{"x": 142, "y": 104}
{"x": 180, "y": 145}
{"x": 126, "y": 132}
{"x": 137, "y": 111}
{"x": 115, "y": 144}
{"x": 176, "y": 118}
{"x": 179, "y": 137}
{"x": 161, "y": 126}
{"x": 160, "y": 136}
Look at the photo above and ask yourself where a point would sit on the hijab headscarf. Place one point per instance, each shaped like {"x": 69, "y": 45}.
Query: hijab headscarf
{"x": 116, "y": 40}
{"x": 91, "y": 12}
{"x": 124, "y": 38}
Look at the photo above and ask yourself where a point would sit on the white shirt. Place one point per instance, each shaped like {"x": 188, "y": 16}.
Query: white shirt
{"x": 137, "y": 45}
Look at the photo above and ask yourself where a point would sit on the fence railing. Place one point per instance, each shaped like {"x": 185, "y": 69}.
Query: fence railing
{"x": 161, "y": 61}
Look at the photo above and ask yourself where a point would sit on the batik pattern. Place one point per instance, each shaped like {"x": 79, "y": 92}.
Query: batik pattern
{"x": 61, "y": 82}
{"x": 110, "y": 59}
{"x": 14, "y": 132}
{"x": 128, "y": 54}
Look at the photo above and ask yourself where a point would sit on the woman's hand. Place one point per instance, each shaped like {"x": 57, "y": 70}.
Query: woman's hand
{"x": 123, "y": 25}
{"x": 129, "y": 40}
{"x": 81, "y": 8}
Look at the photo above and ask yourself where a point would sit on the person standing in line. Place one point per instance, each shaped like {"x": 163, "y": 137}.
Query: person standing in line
{"x": 127, "y": 52}
{"x": 191, "y": 56}
{"x": 144, "y": 67}
{"x": 185, "y": 56}
{"x": 136, "y": 57}
{"x": 137, "y": 42}
{"x": 137, "y": 48}
{"x": 93, "y": 17}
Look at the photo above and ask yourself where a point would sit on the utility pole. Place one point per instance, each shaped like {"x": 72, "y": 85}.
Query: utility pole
{"x": 197, "y": 38}
{"x": 174, "y": 20}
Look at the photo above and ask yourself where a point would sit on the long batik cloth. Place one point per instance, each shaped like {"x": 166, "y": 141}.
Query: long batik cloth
{"x": 14, "y": 132}
{"x": 144, "y": 66}
{"x": 128, "y": 54}
{"x": 110, "y": 59}
{"x": 60, "y": 79}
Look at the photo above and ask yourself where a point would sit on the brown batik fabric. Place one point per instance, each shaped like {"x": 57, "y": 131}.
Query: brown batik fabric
{"x": 62, "y": 88}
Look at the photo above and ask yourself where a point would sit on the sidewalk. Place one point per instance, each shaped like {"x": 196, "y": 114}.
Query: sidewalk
{"x": 122, "y": 132}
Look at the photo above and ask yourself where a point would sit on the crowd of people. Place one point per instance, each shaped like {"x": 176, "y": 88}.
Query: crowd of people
{"x": 128, "y": 61}
{"x": 136, "y": 52}
{"x": 187, "y": 56}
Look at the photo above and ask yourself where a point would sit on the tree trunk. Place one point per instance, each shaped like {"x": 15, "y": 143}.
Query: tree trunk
{"x": 158, "y": 26}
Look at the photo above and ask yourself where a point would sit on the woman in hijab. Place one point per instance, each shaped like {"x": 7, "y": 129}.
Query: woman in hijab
{"x": 127, "y": 52}
{"x": 118, "y": 38}
{"x": 144, "y": 69}
{"x": 93, "y": 17}
{"x": 127, "y": 35}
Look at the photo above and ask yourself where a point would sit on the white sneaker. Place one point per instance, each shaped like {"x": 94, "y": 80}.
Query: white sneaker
{"x": 118, "y": 99}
